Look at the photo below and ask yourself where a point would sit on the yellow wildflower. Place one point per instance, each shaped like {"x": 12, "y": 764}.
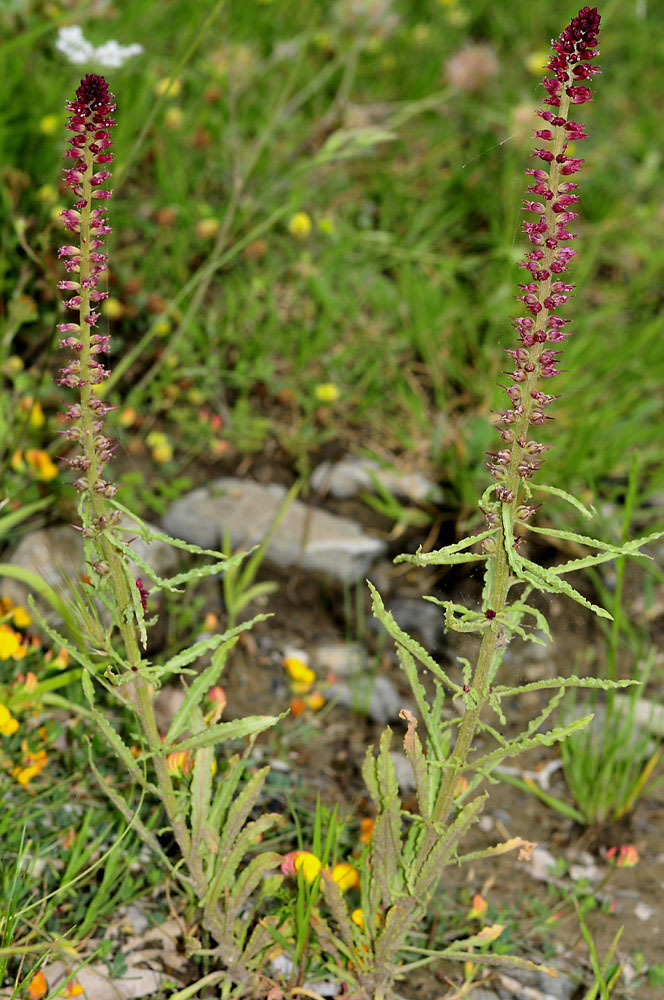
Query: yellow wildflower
{"x": 207, "y": 228}
{"x": 535, "y": 62}
{"x": 173, "y": 117}
{"x": 34, "y": 763}
{"x": 299, "y": 226}
{"x": 168, "y": 86}
{"x": 302, "y": 677}
{"x": 48, "y": 124}
{"x": 37, "y": 418}
{"x": 327, "y": 392}
{"x": 309, "y": 864}
{"x": 73, "y": 989}
{"x": 345, "y": 876}
{"x": 160, "y": 447}
{"x": 16, "y": 461}
{"x": 112, "y": 308}
{"x": 357, "y": 916}
{"x": 10, "y": 642}
{"x": 41, "y": 463}
{"x": 8, "y": 724}
{"x": 162, "y": 328}
{"x": 21, "y": 618}
{"x": 315, "y": 701}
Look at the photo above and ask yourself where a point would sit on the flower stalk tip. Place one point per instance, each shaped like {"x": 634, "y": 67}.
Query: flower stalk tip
{"x": 544, "y": 292}
{"x": 87, "y": 158}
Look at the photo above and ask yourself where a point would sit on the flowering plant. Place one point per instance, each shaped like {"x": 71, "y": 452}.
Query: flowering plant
{"x": 403, "y": 866}
{"x": 209, "y": 826}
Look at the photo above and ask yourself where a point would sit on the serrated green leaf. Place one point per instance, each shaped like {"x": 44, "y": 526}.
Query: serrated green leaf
{"x": 227, "y": 865}
{"x": 562, "y": 682}
{"x": 518, "y": 745}
{"x": 539, "y": 576}
{"x": 251, "y": 725}
{"x": 554, "y": 491}
{"x": 441, "y": 557}
{"x": 208, "y": 678}
{"x": 403, "y": 639}
{"x": 250, "y": 878}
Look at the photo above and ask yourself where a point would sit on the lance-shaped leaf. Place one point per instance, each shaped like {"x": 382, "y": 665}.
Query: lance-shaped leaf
{"x": 337, "y": 904}
{"x": 224, "y": 731}
{"x": 539, "y": 576}
{"x": 208, "y": 678}
{"x": 567, "y": 497}
{"x": 440, "y": 853}
{"x": 517, "y": 746}
{"x": 228, "y": 865}
{"x": 250, "y": 878}
{"x": 450, "y": 554}
{"x": 114, "y": 740}
{"x": 403, "y": 639}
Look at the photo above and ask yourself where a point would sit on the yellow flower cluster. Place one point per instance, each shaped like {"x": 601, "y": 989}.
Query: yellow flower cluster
{"x": 36, "y": 461}
{"x": 8, "y": 724}
{"x": 302, "y": 679}
{"x": 343, "y": 873}
{"x": 11, "y": 644}
{"x": 34, "y": 761}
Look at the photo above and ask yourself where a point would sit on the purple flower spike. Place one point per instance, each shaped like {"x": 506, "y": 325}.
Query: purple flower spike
{"x": 87, "y": 159}
{"x": 547, "y": 258}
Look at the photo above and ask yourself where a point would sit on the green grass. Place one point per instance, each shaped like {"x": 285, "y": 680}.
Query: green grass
{"x": 405, "y": 305}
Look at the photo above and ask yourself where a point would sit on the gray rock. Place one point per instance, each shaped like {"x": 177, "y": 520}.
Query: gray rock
{"x": 420, "y": 618}
{"x": 379, "y": 699}
{"x": 339, "y": 658}
{"x": 307, "y": 538}
{"x": 529, "y": 984}
{"x": 56, "y": 555}
{"x": 354, "y": 475}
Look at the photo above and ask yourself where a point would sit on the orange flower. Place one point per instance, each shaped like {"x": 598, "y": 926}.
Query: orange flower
{"x": 460, "y": 787}
{"x": 315, "y": 701}
{"x": 625, "y": 856}
{"x": 73, "y": 989}
{"x": 38, "y": 987}
{"x": 297, "y": 706}
{"x": 366, "y": 829}
{"x": 479, "y": 907}
{"x": 178, "y": 763}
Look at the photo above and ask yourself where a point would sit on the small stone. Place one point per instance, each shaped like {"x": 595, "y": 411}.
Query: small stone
{"x": 354, "y": 475}
{"x": 421, "y": 619}
{"x": 339, "y": 658}
{"x": 379, "y": 699}
{"x": 643, "y": 912}
{"x": 307, "y": 537}
{"x": 530, "y": 984}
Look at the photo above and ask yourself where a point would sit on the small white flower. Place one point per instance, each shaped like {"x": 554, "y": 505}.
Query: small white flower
{"x": 77, "y": 49}
{"x": 73, "y": 45}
